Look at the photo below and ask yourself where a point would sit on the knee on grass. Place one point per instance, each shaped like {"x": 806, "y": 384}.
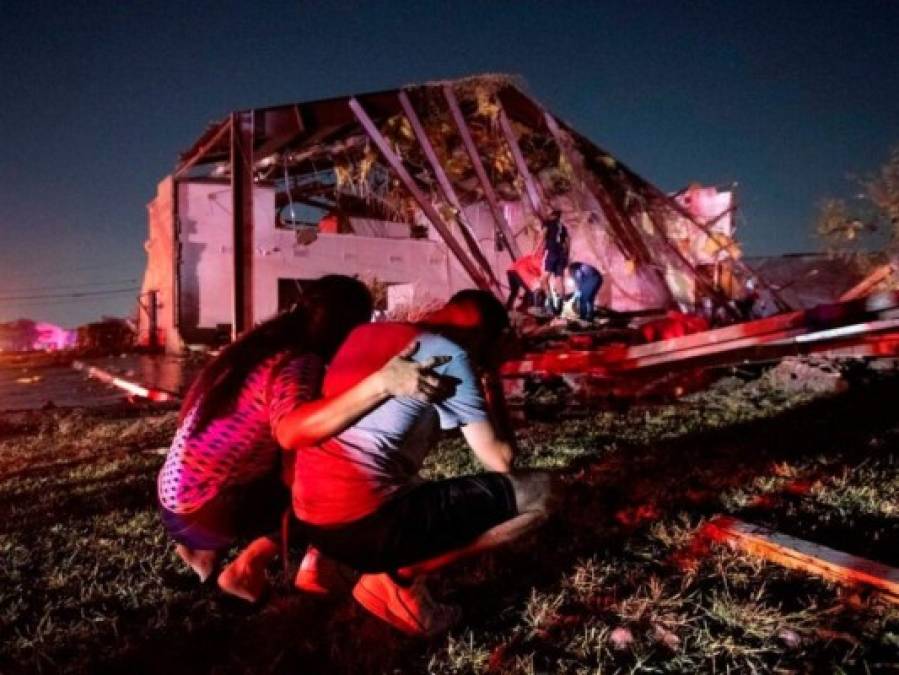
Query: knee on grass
{"x": 535, "y": 491}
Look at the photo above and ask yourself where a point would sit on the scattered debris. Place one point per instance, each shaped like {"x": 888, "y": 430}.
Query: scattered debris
{"x": 593, "y": 366}
{"x": 621, "y": 638}
{"x": 133, "y": 388}
{"x": 812, "y": 375}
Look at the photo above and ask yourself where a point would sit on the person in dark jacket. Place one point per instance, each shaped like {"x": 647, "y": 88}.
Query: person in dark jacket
{"x": 555, "y": 245}
{"x": 587, "y": 281}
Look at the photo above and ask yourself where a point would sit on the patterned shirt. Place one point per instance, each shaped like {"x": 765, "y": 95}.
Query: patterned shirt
{"x": 238, "y": 447}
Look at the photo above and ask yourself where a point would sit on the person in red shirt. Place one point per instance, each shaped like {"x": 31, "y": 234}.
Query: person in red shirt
{"x": 525, "y": 274}
{"x": 358, "y": 495}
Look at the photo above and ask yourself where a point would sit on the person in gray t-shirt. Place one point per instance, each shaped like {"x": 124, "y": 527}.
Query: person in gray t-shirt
{"x": 358, "y": 495}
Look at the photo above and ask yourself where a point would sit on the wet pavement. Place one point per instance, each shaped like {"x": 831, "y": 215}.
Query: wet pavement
{"x": 32, "y": 385}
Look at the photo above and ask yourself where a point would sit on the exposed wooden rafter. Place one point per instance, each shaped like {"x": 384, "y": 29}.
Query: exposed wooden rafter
{"x": 421, "y": 199}
{"x": 630, "y": 241}
{"x": 199, "y": 153}
{"x": 503, "y": 229}
{"x": 529, "y": 183}
{"x": 446, "y": 186}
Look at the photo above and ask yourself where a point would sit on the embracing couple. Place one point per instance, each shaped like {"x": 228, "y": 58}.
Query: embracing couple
{"x": 342, "y": 413}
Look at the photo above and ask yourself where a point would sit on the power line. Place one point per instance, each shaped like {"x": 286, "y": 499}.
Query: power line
{"x": 30, "y": 305}
{"x": 67, "y": 296}
{"x": 75, "y": 270}
{"x": 87, "y": 284}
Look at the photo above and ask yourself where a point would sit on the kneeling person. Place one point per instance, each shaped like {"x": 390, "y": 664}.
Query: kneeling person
{"x": 358, "y": 495}
{"x": 587, "y": 281}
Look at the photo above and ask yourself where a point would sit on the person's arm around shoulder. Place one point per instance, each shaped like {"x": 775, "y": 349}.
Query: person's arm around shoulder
{"x": 312, "y": 422}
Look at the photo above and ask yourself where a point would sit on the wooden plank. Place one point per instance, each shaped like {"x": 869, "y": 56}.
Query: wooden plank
{"x": 882, "y": 344}
{"x": 822, "y": 316}
{"x": 874, "y": 346}
{"x": 423, "y": 202}
{"x": 703, "y": 350}
{"x": 771, "y": 324}
{"x": 803, "y": 339}
{"x": 442, "y": 179}
{"x": 876, "y": 338}
{"x": 446, "y": 186}
{"x": 520, "y": 164}
{"x": 806, "y": 556}
{"x": 503, "y": 228}
{"x": 863, "y": 287}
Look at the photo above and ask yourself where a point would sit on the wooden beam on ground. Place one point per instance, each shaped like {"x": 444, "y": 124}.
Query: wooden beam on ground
{"x": 242, "y": 221}
{"x": 863, "y": 287}
{"x": 769, "y": 324}
{"x": 803, "y": 555}
{"x": 503, "y": 229}
{"x": 446, "y": 186}
{"x": 819, "y": 330}
{"x": 879, "y": 341}
{"x": 871, "y": 346}
{"x": 529, "y": 184}
{"x": 882, "y": 344}
{"x": 421, "y": 199}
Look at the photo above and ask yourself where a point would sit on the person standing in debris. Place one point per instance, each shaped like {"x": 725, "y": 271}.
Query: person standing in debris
{"x": 221, "y": 480}
{"x": 358, "y": 495}
{"x": 524, "y": 275}
{"x": 555, "y": 244}
{"x": 586, "y": 281}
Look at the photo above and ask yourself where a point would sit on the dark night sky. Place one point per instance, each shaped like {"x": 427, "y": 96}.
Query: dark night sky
{"x": 786, "y": 98}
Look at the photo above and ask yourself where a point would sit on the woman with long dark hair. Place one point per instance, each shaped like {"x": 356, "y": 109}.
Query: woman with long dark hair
{"x": 221, "y": 478}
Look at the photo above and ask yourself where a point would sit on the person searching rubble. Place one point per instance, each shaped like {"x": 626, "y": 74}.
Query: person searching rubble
{"x": 584, "y": 282}
{"x": 221, "y": 482}
{"x": 524, "y": 275}
{"x": 555, "y": 246}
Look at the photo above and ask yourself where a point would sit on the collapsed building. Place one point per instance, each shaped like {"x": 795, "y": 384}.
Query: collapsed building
{"x": 419, "y": 191}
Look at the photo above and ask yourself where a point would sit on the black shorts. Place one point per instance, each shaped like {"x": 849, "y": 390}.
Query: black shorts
{"x": 429, "y": 519}
{"x": 555, "y": 264}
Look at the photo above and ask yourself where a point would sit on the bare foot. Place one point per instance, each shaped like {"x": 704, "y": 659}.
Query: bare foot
{"x": 200, "y": 561}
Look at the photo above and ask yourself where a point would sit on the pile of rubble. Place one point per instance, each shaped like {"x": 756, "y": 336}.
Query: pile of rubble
{"x": 562, "y": 368}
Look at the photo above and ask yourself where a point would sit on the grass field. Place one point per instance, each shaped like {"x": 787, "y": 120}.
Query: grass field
{"x": 617, "y": 582}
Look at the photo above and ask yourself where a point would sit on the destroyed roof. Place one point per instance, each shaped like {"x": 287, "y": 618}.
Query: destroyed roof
{"x": 449, "y": 144}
